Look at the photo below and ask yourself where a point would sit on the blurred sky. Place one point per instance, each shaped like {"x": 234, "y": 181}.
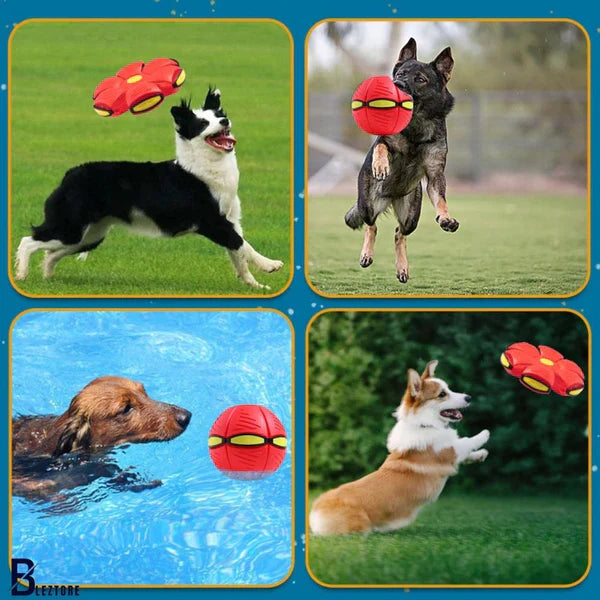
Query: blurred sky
{"x": 373, "y": 37}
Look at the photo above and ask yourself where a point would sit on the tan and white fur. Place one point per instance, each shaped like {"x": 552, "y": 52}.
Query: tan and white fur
{"x": 423, "y": 452}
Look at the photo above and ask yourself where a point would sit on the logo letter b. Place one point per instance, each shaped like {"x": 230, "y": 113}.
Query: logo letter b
{"x": 23, "y": 576}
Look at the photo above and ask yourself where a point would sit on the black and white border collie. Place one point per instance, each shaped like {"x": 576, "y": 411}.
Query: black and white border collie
{"x": 196, "y": 193}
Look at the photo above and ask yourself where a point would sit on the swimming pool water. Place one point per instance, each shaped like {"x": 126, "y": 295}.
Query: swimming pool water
{"x": 199, "y": 527}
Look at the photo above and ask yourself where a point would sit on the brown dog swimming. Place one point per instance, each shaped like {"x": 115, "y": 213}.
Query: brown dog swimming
{"x": 107, "y": 412}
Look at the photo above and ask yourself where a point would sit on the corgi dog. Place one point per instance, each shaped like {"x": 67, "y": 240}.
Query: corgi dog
{"x": 423, "y": 452}
{"x": 197, "y": 193}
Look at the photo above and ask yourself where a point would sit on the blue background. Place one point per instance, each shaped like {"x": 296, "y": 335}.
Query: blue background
{"x": 299, "y": 302}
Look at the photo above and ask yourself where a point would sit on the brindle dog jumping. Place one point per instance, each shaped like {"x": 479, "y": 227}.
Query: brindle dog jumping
{"x": 395, "y": 165}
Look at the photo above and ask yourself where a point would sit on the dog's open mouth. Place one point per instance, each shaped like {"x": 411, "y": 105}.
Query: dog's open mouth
{"x": 223, "y": 140}
{"x": 451, "y": 413}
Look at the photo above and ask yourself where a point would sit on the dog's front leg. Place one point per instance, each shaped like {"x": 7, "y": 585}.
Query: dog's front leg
{"x": 380, "y": 163}
{"x": 436, "y": 190}
{"x": 477, "y": 456}
{"x": 240, "y": 263}
{"x": 465, "y": 447}
{"x": 255, "y": 258}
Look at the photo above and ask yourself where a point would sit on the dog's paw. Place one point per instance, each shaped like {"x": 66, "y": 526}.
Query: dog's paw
{"x": 273, "y": 265}
{"x": 381, "y": 169}
{"x": 483, "y": 436}
{"x": 366, "y": 261}
{"x": 402, "y": 276}
{"x": 482, "y": 455}
{"x": 448, "y": 223}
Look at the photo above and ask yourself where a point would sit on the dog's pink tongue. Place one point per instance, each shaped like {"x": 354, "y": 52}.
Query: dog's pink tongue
{"x": 226, "y": 140}
{"x": 452, "y": 413}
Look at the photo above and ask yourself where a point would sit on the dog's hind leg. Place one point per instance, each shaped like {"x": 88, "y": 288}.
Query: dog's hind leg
{"x": 29, "y": 246}
{"x": 92, "y": 237}
{"x": 52, "y": 257}
{"x": 436, "y": 190}
{"x": 368, "y": 247}
{"x": 408, "y": 211}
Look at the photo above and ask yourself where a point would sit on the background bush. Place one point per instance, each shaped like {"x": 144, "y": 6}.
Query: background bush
{"x": 357, "y": 368}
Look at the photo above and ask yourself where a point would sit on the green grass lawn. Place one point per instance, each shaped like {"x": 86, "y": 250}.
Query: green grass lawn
{"x": 465, "y": 540}
{"x": 55, "y": 68}
{"x": 506, "y": 244}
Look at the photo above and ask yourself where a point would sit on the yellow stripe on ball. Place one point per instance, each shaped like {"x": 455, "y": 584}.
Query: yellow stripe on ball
{"x": 146, "y": 104}
{"x": 180, "y": 79}
{"x": 535, "y": 384}
{"x": 247, "y": 440}
{"x": 382, "y": 103}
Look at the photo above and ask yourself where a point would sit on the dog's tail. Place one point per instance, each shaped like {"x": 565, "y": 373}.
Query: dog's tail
{"x": 353, "y": 218}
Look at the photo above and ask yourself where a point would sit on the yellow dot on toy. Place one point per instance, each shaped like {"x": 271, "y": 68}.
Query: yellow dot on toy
{"x": 547, "y": 361}
{"x": 134, "y": 79}
{"x": 504, "y": 361}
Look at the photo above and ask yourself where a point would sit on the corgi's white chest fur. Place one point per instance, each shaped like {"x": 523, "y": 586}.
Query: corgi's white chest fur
{"x": 406, "y": 435}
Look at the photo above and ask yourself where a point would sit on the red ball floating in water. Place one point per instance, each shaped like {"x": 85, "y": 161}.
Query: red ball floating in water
{"x": 247, "y": 441}
{"x": 380, "y": 108}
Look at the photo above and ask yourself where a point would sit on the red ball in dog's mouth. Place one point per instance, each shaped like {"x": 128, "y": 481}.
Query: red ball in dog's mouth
{"x": 223, "y": 140}
{"x": 452, "y": 413}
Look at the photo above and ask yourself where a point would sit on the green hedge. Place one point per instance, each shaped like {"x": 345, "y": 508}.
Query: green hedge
{"x": 358, "y": 364}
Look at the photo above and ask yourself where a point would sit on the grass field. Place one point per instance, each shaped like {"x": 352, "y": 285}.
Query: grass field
{"x": 506, "y": 244}
{"x": 55, "y": 68}
{"x": 465, "y": 540}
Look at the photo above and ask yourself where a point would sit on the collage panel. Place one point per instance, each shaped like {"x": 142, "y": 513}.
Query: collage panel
{"x": 448, "y": 448}
{"x": 157, "y": 147}
{"x": 152, "y": 448}
{"x": 455, "y": 134}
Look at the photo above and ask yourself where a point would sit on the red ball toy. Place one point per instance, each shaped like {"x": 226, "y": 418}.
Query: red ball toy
{"x": 543, "y": 369}
{"x": 247, "y": 441}
{"x": 380, "y": 108}
{"x": 138, "y": 87}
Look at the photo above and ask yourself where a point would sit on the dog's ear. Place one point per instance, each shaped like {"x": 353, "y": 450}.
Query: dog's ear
{"x": 408, "y": 52}
{"x": 414, "y": 383}
{"x": 212, "y": 100}
{"x": 444, "y": 64}
{"x": 77, "y": 435}
{"x": 183, "y": 112}
{"x": 429, "y": 369}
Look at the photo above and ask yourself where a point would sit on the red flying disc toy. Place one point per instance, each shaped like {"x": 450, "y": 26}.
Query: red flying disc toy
{"x": 380, "y": 108}
{"x": 247, "y": 441}
{"x": 542, "y": 369}
{"x": 138, "y": 87}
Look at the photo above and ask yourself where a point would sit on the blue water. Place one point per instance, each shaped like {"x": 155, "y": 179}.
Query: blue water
{"x": 199, "y": 527}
